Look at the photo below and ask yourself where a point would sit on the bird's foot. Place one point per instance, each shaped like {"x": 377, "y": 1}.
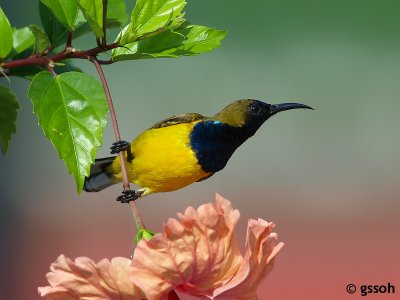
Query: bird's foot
{"x": 129, "y": 195}
{"x": 119, "y": 146}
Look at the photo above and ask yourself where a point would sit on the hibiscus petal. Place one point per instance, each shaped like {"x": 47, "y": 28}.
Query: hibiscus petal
{"x": 197, "y": 253}
{"x": 261, "y": 248}
{"x": 84, "y": 279}
{"x": 171, "y": 296}
{"x": 184, "y": 295}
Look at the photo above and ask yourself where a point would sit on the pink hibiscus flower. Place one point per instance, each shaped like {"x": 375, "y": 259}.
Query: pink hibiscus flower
{"x": 195, "y": 258}
{"x": 84, "y": 279}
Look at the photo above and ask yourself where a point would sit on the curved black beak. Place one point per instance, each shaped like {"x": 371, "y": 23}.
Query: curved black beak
{"x": 275, "y": 108}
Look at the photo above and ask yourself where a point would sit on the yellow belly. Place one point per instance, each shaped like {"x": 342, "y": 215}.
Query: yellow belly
{"x": 163, "y": 159}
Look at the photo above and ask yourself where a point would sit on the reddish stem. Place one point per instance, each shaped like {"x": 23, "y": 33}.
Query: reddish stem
{"x": 69, "y": 41}
{"x": 44, "y": 60}
{"x": 114, "y": 120}
{"x": 125, "y": 179}
{"x": 136, "y": 216}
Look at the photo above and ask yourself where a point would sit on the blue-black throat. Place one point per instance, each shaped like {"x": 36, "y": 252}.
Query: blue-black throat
{"x": 215, "y": 142}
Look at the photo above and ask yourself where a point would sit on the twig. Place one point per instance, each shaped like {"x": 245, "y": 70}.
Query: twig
{"x": 113, "y": 118}
{"x": 69, "y": 41}
{"x": 125, "y": 179}
{"x": 43, "y": 60}
{"x": 136, "y": 216}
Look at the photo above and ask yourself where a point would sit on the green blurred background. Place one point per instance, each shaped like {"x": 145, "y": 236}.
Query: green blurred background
{"x": 329, "y": 178}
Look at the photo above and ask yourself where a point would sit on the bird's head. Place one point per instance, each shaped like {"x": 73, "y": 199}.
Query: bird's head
{"x": 251, "y": 113}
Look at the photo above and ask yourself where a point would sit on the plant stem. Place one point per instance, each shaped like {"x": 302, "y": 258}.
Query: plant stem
{"x": 114, "y": 120}
{"x": 44, "y": 60}
{"x": 125, "y": 179}
{"x": 69, "y": 41}
{"x": 136, "y": 216}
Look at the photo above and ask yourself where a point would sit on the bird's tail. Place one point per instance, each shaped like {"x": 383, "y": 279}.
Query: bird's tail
{"x": 99, "y": 177}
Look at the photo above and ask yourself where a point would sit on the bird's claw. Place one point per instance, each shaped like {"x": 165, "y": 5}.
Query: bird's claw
{"x": 119, "y": 146}
{"x": 128, "y": 196}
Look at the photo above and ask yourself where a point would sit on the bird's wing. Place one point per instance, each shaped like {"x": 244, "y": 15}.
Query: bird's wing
{"x": 178, "y": 119}
{"x": 101, "y": 164}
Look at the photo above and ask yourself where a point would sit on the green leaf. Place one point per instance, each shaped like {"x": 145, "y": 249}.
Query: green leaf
{"x": 22, "y": 39}
{"x": 143, "y": 233}
{"x": 41, "y": 40}
{"x": 188, "y": 40}
{"x": 8, "y": 116}
{"x": 152, "y": 16}
{"x": 57, "y": 32}
{"x": 116, "y": 13}
{"x": 71, "y": 109}
{"x": 93, "y": 12}
{"x": 6, "y": 35}
{"x": 66, "y": 11}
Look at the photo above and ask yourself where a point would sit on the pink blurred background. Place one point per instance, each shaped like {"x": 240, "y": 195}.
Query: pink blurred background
{"x": 329, "y": 178}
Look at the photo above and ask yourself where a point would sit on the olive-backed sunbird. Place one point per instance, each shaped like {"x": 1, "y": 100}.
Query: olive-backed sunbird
{"x": 184, "y": 149}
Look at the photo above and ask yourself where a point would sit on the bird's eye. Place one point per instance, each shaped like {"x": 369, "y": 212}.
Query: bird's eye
{"x": 255, "y": 109}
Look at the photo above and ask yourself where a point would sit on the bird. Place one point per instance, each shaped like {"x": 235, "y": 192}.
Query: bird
{"x": 182, "y": 149}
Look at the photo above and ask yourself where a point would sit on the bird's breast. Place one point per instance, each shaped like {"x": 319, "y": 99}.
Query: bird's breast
{"x": 163, "y": 159}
